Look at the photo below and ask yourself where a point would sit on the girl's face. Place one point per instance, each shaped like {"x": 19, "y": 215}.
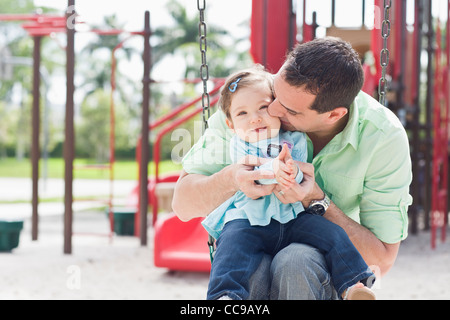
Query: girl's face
{"x": 249, "y": 117}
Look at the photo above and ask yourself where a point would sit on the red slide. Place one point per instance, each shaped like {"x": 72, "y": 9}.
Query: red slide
{"x": 181, "y": 246}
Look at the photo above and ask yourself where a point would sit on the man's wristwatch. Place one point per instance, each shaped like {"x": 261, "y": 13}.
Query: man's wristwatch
{"x": 319, "y": 207}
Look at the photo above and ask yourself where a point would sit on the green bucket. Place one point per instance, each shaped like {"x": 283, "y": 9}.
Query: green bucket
{"x": 124, "y": 221}
{"x": 9, "y": 235}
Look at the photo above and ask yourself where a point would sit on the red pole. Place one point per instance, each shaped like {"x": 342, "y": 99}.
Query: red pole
{"x": 446, "y": 93}
{"x": 376, "y": 40}
{"x": 157, "y": 152}
{"x": 435, "y": 212}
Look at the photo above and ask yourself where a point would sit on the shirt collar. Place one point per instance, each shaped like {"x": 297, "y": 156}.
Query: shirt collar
{"x": 350, "y": 133}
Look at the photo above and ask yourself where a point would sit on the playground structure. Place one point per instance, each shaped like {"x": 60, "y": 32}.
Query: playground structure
{"x": 422, "y": 106}
{"x": 38, "y": 26}
{"x": 418, "y": 93}
{"x": 274, "y": 32}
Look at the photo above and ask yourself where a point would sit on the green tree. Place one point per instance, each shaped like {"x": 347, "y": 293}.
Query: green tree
{"x": 182, "y": 38}
{"x": 13, "y": 37}
{"x": 98, "y": 53}
{"x": 8, "y": 119}
{"x": 16, "y": 121}
{"x": 93, "y": 129}
{"x": 94, "y": 126}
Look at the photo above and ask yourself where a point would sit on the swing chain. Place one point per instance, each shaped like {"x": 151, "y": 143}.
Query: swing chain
{"x": 204, "y": 75}
{"x": 384, "y": 55}
{"x": 204, "y": 71}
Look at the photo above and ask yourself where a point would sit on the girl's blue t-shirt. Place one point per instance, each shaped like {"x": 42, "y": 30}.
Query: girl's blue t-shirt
{"x": 260, "y": 211}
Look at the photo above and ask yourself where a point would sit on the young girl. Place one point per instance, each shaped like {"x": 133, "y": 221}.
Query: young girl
{"x": 246, "y": 229}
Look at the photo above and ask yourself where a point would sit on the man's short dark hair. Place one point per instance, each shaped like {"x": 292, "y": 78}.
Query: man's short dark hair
{"x": 328, "y": 68}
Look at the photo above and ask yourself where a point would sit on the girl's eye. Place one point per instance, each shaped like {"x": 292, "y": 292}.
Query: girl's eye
{"x": 263, "y": 107}
{"x": 242, "y": 113}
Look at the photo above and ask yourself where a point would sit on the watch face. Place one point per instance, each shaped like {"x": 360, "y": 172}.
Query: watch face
{"x": 318, "y": 209}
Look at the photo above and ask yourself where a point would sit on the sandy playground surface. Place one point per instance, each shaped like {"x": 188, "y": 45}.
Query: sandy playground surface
{"x": 122, "y": 269}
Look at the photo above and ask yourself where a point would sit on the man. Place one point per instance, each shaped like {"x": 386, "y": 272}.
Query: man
{"x": 358, "y": 156}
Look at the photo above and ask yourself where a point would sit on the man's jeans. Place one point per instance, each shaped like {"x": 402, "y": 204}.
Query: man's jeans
{"x": 298, "y": 272}
{"x": 241, "y": 248}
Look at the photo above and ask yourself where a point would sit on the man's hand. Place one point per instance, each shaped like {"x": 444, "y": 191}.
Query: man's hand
{"x": 245, "y": 177}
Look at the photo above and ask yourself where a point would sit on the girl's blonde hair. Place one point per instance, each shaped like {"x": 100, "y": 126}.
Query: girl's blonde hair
{"x": 242, "y": 79}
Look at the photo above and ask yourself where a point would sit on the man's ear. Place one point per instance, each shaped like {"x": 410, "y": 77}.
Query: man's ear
{"x": 229, "y": 123}
{"x": 337, "y": 114}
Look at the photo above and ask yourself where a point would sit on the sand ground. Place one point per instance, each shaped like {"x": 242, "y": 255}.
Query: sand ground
{"x": 99, "y": 268}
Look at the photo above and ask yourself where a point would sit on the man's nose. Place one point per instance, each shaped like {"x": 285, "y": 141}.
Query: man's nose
{"x": 275, "y": 109}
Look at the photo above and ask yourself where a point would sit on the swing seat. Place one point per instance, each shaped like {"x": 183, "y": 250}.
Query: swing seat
{"x": 181, "y": 246}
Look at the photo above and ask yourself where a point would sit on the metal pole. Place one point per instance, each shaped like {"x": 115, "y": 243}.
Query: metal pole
{"x": 69, "y": 150}
{"x": 303, "y": 21}
{"x": 143, "y": 178}
{"x": 333, "y": 12}
{"x": 363, "y": 18}
{"x": 415, "y": 158}
{"x": 292, "y": 25}
{"x": 314, "y": 24}
{"x": 400, "y": 52}
{"x": 35, "y": 153}
{"x": 429, "y": 113}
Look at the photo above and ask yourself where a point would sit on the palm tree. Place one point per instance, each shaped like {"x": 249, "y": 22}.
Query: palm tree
{"x": 93, "y": 129}
{"x": 15, "y": 118}
{"x": 98, "y": 72}
{"x": 183, "y": 38}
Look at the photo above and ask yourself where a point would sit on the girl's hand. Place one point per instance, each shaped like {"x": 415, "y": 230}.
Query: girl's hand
{"x": 285, "y": 169}
{"x": 305, "y": 192}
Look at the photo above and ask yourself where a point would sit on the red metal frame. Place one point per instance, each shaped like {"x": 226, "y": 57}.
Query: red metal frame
{"x": 177, "y": 245}
{"x": 156, "y": 155}
{"x": 38, "y": 25}
{"x": 439, "y": 205}
{"x": 112, "y": 157}
{"x": 270, "y": 24}
{"x": 156, "y": 148}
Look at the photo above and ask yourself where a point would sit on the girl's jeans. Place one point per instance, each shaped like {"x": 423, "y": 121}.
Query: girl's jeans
{"x": 241, "y": 248}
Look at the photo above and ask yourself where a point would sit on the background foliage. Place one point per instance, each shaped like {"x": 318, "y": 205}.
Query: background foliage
{"x": 93, "y": 89}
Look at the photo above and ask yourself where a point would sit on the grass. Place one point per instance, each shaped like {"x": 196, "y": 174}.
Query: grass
{"x": 123, "y": 169}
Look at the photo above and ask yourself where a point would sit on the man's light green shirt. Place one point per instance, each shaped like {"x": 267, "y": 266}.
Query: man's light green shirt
{"x": 365, "y": 169}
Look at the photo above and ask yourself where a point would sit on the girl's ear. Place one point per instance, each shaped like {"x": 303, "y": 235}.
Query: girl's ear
{"x": 229, "y": 123}
{"x": 337, "y": 114}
